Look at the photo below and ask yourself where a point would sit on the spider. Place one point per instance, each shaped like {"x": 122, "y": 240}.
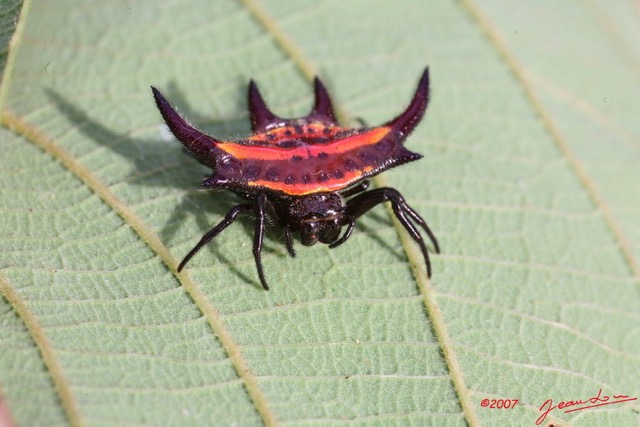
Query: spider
{"x": 309, "y": 174}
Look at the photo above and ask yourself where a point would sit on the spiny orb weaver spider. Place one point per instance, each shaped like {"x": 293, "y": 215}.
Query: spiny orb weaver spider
{"x": 300, "y": 171}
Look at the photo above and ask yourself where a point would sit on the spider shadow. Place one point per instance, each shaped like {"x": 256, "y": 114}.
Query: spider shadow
{"x": 150, "y": 161}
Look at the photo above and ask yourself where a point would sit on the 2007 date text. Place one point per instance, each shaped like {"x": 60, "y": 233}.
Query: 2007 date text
{"x": 499, "y": 403}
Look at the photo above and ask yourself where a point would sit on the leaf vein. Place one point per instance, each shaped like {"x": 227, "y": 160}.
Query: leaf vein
{"x": 556, "y": 325}
{"x": 46, "y": 350}
{"x": 519, "y": 73}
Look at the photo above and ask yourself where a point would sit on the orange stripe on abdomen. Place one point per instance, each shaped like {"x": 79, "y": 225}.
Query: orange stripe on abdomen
{"x": 261, "y": 153}
{"x": 313, "y": 186}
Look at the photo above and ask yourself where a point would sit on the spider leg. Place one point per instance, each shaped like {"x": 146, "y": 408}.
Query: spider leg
{"x": 258, "y": 236}
{"x": 362, "y": 203}
{"x": 288, "y": 241}
{"x": 415, "y": 235}
{"x": 357, "y": 189}
{"x": 346, "y": 235}
{"x": 417, "y": 218}
{"x": 227, "y": 221}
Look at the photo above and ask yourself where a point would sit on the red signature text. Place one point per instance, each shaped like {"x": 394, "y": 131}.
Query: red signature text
{"x": 579, "y": 405}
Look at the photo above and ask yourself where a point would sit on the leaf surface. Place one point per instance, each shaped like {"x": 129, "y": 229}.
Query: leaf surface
{"x": 530, "y": 181}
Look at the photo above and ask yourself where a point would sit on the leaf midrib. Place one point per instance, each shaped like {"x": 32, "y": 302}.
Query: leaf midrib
{"x": 414, "y": 256}
{"x": 37, "y": 333}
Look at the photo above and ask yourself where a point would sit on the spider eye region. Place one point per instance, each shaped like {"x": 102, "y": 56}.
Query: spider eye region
{"x": 319, "y": 217}
{"x": 325, "y": 230}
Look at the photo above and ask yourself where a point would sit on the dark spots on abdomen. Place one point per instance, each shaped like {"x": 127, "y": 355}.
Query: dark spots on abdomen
{"x": 322, "y": 177}
{"x": 289, "y": 143}
{"x": 350, "y": 165}
{"x": 306, "y": 178}
{"x": 273, "y": 174}
{"x": 251, "y": 172}
{"x": 367, "y": 157}
{"x": 290, "y": 179}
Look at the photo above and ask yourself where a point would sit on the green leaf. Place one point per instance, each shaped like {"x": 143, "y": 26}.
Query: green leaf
{"x": 530, "y": 181}
{"x": 9, "y": 13}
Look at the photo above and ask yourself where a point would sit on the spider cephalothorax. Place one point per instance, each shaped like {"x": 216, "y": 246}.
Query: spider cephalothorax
{"x": 301, "y": 171}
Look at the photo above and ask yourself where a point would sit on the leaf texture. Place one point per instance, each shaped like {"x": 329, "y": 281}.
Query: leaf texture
{"x": 530, "y": 180}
